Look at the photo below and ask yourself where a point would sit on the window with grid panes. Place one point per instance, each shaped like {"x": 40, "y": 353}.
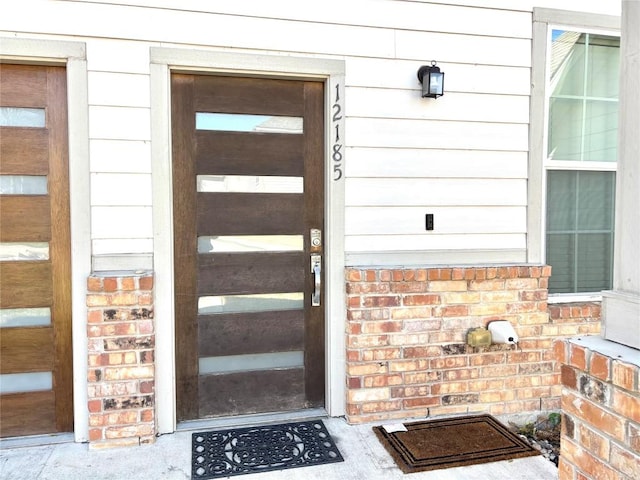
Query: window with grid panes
{"x": 580, "y": 164}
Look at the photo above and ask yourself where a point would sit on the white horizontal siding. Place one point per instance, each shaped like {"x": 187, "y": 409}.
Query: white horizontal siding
{"x": 363, "y": 10}
{"x": 462, "y": 156}
{"x": 117, "y": 56}
{"x": 434, "y": 163}
{"x": 402, "y": 133}
{"x": 447, "y": 220}
{"x": 119, "y": 123}
{"x": 402, "y": 192}
{"x": 463, "y": 48}
{"x": 196, "y": 28}
{"x": 431, "y": 241}
{"x": 594, "y": 6}
{"x": 124, "y": 156}
{"x": 407, "y": 104}
{"x": 120, "y": 152}
{"x": 384, "y": 14}
{"x": 121, "y": 222}
{"x": 123, "y": 246}
{"x": 121, "y": 189}
{"x": 459, "y": 77}
{"x": 118, "y": 89}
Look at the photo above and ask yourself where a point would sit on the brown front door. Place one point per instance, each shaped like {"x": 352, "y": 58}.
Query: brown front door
{"x": 248, "y": 189}
{"x": 35, "y": 276}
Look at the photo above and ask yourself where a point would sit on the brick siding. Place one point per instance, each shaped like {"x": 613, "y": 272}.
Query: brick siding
{"x": 601, "y": 415}
{"x": 406, "y": 341}
{"x": 406, "y": 356}
{"x": 121, "y": 387}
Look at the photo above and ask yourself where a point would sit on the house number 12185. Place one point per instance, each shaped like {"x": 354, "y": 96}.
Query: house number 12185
{"x": 336, "y": 154}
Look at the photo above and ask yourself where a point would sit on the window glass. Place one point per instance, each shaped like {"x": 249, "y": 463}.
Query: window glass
{"x": 249, "y": 184}
{"x": 236, "y": 122}
{"x": 595, "y": 200}
{"x": 561, "y": 187}
{"x": 594, "y": 262}
{"x": 25, "y": 317}
{"x": 567, "y": 63}
{"x": 560, "y": 255}
{"x": 250, "y": 362}
{"x": 600, "y": 131}
{"x": 25, "y": 382}
{"x": 565, "y": 125}
{"x": 582, "y": 131}
{"x": 15, "y": 251}
{"x": 583, "y": 105}
{"x": 22, "y": 117}
{"x": 580, "y": 230}
{"x": 262, "y": 302}
{"x": 251, "y": 243}
{"x": 604, "y": 57}
{"x": 23, "y": 184}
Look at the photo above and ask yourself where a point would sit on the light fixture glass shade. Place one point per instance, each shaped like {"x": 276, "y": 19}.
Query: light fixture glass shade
{"x": 432, "y": 80}
{"x": 436, "y": 83}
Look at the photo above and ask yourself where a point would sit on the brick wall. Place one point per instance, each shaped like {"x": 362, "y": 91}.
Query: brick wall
{"x": 601, "y": 415}
{"x": 406, "y": 341}
{"x": 121, "y": 360}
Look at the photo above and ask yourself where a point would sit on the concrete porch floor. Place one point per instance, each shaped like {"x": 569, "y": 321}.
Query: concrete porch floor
{"x": 170, "y": 458}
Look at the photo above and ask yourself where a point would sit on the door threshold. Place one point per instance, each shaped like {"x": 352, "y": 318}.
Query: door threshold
{"x": 36, "y": 440}
{"x": 251, "y": 420}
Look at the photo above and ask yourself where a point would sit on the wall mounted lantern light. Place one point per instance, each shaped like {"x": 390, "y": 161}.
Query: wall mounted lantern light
{"x": 432, "y": 80}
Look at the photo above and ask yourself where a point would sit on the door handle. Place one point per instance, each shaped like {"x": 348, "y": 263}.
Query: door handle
{"x": 316, "y": 269}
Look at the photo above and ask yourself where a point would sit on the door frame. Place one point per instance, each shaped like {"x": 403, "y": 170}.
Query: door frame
{"x": 164, "y": 61}
{"x": 71, "y": 55}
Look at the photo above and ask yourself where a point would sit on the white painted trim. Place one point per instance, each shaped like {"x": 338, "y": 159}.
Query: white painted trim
{"x": 560, "y": 298}
{"x": 73, "y": 55}
{"x": 163, "y": 61}
{"x": 537, "y": 127}
{"x": 162, "y": 193}
{"x": 336, "y": 307}
{"x": 581, "y": 166}
{"x": 576, "y": 19}
{"x": 80, "y": 199}
{"x": 40, "y": 52}
{"x": 620, "y": 317}
{"x": 256, "y": 419}
{"x": 122, "y": 262}
{"x": 434, "y": 258}
{"x": 621, "y": 307}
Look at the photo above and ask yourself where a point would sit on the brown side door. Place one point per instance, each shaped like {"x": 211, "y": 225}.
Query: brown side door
{"x": 35, "y": 274}
{"x": 247, "y": 192}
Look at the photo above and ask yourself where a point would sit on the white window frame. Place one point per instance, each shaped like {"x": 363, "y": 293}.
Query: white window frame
{"x": 544, "y": 21}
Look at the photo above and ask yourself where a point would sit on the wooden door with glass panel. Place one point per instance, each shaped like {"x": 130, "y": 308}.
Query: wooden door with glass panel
{"x": 248, "y": 198}
{"x": 35, "y": 269}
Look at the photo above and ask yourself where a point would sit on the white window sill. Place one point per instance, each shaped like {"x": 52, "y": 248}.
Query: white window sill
{"x": 574, "y": 297}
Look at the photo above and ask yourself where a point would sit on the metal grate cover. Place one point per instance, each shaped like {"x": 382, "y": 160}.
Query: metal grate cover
{"x": 264, "y": 448}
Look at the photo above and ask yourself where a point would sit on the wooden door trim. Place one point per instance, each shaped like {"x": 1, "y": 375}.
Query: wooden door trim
{"x": 163, "y": 61}
{"x": 185, "y": 246}
{"x": 60, "y": 246}
{"x": 315, "y": 340}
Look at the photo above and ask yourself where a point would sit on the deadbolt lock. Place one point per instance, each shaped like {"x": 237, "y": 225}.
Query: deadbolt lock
{"x": 316, "y": 239}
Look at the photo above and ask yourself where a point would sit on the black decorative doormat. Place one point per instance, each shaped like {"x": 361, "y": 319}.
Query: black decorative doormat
{"x": 451, "y": 442}
{"x": 261, "y": 449}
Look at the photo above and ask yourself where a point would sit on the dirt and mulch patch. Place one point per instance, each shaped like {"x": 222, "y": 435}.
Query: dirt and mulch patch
{"x": 543, "y": 434}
